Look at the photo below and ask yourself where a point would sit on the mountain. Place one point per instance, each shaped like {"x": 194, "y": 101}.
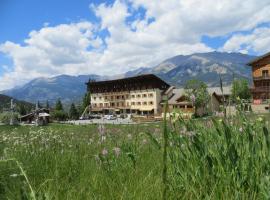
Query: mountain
{"x": 67, "y": 88}
{"x": 176, "y": 71}
{"x": 5, "y": 103}
{"x": 203, "y": 66}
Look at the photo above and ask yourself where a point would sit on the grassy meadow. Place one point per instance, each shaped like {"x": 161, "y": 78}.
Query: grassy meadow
{"x": 176, "y": 159}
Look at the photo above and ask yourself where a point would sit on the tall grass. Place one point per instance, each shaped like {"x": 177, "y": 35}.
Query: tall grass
{"x": 180, "y": 159}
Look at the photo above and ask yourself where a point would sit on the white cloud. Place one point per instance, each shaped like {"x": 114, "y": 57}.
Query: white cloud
{"x": 258, "y": 41}
{"x": 176, "y": 28}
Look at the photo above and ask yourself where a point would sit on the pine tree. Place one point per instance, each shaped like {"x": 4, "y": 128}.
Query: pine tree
{"x": 73, "y": 113}
{"x": 39, "y": 105}
{"x": 58, "y": 105}
{"x": 86, "y": 100}
{"x": 47, "y": 104}
{"x": 21, "y": 109}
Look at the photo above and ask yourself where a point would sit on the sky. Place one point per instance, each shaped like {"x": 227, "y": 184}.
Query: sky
{"x": 53, "y": 37}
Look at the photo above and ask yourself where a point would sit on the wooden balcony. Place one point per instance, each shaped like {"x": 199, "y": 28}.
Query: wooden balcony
{"x": 264, "y": 77}
{"x": 260, "y": 89}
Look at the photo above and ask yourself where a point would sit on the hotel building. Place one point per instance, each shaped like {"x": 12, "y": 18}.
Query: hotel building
{"x": 139, "y": 95}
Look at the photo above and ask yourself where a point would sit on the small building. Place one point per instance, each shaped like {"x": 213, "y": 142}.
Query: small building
{"x": 177, "y": 100}
{"x": 138, "y": 95}
{"x": 40, "y": 116}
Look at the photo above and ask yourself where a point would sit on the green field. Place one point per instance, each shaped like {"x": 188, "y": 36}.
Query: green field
{"x": 195, "y": 159}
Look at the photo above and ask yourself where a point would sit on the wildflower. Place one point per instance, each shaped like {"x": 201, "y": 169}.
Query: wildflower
{"x": 144, "y": 141}
{"x": 241, "y": 129}
{"x": 220, "y": 120}
{"x": 129, "y": 136}
{"x": 14, "y": 175}
{"x": 193, "y": 98}
{"x": 117, "y": 151}
{"x": 260, "y": 119}
{"x": 104, "y": 152}
{"x": 103, "y": 138}
{"x": 101, "y": 129}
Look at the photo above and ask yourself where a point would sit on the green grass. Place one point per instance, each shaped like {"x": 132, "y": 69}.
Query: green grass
{"x": 204, "y": 159}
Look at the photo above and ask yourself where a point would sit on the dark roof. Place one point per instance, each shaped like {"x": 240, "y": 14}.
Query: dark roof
{"x": 258, "y": 59}
{"x": 146, "y": 81}
{"x": 35, "y": 112}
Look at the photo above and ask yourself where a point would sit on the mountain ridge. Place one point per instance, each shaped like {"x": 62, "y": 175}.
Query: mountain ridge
{"x": 175, "y": 70}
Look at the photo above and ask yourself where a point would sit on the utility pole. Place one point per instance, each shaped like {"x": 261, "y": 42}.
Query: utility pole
{"x": 12, "y": 112}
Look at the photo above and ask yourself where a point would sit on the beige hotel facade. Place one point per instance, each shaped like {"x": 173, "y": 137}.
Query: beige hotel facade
{"x": 139, "y": 95}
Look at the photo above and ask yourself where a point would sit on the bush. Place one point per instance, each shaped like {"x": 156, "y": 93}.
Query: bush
{"x": 59, "y": 115}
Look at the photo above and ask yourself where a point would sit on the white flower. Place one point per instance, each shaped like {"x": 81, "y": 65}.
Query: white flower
{"x": 104, "y": 152}
{"x": 117, "y": 151}
{"x": 129, "y": 136}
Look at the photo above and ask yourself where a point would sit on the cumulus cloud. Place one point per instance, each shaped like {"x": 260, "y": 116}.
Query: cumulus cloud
{"x": 258, "y": 41}
{"x": 134, "y": 39}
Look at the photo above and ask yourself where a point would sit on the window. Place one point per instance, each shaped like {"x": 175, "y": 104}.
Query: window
{"x": 123, "y": 96}
{"x": 150, "y": 103}
{"x": 133, "y": 103}
{"x": 150, "y": 95}
{"x": 138, "y": 103}
{"x": 127, "y": 96}
{"x": 144, "y": 103}
{"x": 95, "y": 98}
{"x": 100, "y": 98}
{"x": 101, "y": 105}
{"x": 133, "y": 96}
{"x": 138, "y": 96}
{"x": 265, "y": 73}
{"x": 144, "y": 95}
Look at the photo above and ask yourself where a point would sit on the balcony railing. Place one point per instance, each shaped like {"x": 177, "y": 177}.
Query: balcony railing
{"x": 260, "y": 89}
{"x": 263, "y": 77}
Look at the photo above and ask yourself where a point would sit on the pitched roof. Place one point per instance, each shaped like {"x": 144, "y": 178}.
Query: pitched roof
{"x": 217, "y": 90}
{"x": 258, "y": 59}
{"x": 179, "y": 92}
{"x": 136, "y": 82}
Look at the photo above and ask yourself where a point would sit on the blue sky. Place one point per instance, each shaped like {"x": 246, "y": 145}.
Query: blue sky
{"x": 52, "y": 37}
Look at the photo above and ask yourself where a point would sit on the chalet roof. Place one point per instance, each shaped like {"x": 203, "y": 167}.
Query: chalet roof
{"x": 217, "y": 90}
{"x": 146, "y": 81}
{"x": 40, "y": 110}
{"x": 180, "y": 92}
{"x": 258, "y": 59}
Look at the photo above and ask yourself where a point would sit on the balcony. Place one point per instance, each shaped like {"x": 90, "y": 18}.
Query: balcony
{"x": 263, "y": 77}
{"x": 261, "y": 89}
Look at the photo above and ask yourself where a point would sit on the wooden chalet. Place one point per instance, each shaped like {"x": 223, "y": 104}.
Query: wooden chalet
{"x": 261, "y": 78}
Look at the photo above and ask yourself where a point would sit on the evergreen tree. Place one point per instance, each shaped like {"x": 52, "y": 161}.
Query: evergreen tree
{"x": 86, "y": 100}
{"x": 47, "y": 104}
{"x": 39, "y": 105}
{"x": 58, "y": 105}
{"x": 59, "y": 114}
{"x": 73, "y": 113}
{"x": 21, "y": 109}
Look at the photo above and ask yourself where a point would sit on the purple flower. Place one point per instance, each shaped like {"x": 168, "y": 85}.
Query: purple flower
{"x": 193, "y": 98}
